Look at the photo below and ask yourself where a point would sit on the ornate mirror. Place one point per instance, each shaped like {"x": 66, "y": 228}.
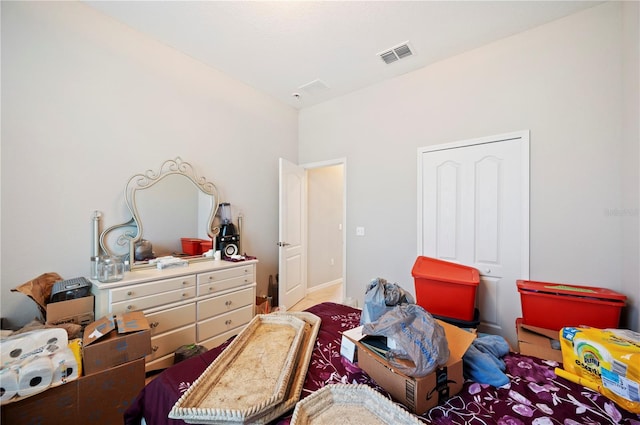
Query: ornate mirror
{"x": 167, "y": 206}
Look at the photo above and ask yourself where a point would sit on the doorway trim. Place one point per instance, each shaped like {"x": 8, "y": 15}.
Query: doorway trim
{"x": 329, "y": 163}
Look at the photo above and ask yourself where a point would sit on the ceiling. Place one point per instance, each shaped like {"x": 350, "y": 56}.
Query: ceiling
{"x": 320, "y": 50}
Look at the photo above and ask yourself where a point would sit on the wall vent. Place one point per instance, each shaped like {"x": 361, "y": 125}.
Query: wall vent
{"x": 396, "y": 53}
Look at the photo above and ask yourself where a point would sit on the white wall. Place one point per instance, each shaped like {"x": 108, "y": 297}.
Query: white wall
{"x": 86, "y": 103}
{"x": 562, "y": 81}
{"x": 325, "y": 233}
{"x": 630, "y": 216}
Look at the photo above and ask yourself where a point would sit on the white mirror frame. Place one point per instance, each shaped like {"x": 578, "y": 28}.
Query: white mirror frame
{"x": 133, "y": 230}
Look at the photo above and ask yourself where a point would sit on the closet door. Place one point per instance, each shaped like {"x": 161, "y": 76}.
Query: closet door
{"x": 474, "y": 210}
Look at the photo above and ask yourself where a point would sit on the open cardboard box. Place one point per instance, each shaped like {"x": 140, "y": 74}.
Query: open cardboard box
{"x": 78, "y": 311}
{"x": 420, "y": 394}
{"x": 348, "y": 348}
{"x": 109, "y": 342}
{"x": 100, "y": 398}
{"x": 538, "y": 342}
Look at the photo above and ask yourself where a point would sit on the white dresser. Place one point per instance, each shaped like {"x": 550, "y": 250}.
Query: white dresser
{"x": 205, "y": 303}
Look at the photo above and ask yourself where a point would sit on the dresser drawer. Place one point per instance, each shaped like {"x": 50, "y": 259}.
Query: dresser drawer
{"x": 172, "y": 318}
{"x": 151, "y": 288}
{"x": 214, "y": 342}
{"x": 169, "y": 342}
{"x": 156, "y": 300}
{"x": 212, "y": 282}
{"x": 223, "y": 303}
{"x": 159, "y": 363}
{"x": 224, "y": 322}
{"x": 209, "y": 288}
{"x": 217, "y": 275}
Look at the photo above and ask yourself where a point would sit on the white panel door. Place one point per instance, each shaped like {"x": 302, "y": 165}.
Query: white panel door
{"x": 292, "y": 259}
{"x": 474, "y": 210}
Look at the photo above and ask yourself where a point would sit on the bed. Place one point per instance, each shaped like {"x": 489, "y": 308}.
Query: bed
{"x": 535, "y": 395}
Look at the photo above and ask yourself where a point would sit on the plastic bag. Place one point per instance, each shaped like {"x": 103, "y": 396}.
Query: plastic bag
{"x": 380, "y": 298}
{"x": 39, "y": 290}
{"x": 418, "y": 337}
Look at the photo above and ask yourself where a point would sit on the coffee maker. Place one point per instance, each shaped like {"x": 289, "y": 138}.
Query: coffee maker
{"x": 228, "y": 241}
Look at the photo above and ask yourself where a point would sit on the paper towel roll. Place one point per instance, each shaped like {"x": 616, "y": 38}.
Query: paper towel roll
{"x": 65, "y": 367}
{"x": 50, "y": 340}
{"x": 36, "y": 342}
{"x": 34, "y": 376}
{"x": 13, "y": 348}
{"x": 8, "y": 384}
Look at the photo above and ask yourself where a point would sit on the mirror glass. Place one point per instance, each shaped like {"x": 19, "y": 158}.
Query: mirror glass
{"x": 167, "y": 206}
{"x": 172, "y": 209}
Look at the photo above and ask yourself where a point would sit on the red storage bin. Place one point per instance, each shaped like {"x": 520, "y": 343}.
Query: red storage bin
{"x": 192, "y": 246}
{"x": 556, "y": 305}
{"x": 205, "y": 246}
{"x": 445, "y": 289}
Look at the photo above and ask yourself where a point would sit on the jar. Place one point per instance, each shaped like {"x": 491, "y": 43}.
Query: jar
{"x": 110, "y": 269}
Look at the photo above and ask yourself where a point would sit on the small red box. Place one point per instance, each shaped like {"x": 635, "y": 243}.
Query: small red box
{"x": 557, "y": 305}
{"x": 192, "y": 246}
{"x": 205, "y": 246}
{"x": 445, "y": 289}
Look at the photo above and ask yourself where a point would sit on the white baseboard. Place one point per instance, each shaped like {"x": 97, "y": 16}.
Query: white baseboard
{"x": 324, "y": 285}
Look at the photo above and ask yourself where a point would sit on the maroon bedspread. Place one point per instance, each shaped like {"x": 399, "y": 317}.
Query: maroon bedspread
{"x": 535, "y": 395}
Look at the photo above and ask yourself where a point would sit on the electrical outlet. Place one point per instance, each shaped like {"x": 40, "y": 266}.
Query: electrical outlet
{"x": 359, "y": 231}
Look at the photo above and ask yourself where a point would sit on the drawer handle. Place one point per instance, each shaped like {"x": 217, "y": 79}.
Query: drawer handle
{"x": 184, "y": 294}
{"x": 228, "y": 303}
{"x": 211, "y": 278}
{"x": 185, "y": 282}
{"x": 246, "y": 280}
{"x": 129, "y": 307}
{"x": 227, "y": 322}
{"x": 154, "y": 324}
{"x": 154, "y": 348}
{"x": 210, "y": 288}
{"x": 130, "y": 293}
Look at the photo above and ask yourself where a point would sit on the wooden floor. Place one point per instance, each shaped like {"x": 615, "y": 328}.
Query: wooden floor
{"x": 331, "y": 293}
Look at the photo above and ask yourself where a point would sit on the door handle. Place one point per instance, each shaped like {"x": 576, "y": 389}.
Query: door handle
{"x": 283, "y": 244}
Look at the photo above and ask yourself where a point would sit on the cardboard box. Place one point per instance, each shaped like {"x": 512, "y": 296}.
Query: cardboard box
{"x": 112, "y": 341}
{"x": 100, "y": 398}
{"x": 79, "y": 311}
{"x": 348, "y": 348}
{"x": 538, "y": 342}
{"x": 420, "y": 394}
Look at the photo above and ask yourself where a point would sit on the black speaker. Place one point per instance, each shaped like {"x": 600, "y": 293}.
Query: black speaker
{"x": 229, "y": 245}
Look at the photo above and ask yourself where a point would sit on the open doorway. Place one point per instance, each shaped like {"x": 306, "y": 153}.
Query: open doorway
{"x": 325, "y": 221}
{"x": 311, "y": 236}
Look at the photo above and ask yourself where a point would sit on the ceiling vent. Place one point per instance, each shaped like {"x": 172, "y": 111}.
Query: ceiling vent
{"x": 396, "y": 53}
{"x": 314, "y": 86}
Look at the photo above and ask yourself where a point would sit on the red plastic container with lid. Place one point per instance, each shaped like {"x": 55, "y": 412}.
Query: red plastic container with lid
{"x": 556, "y": 305}
{"x": 192, "y": 246}
{"x": 445, "y": 289}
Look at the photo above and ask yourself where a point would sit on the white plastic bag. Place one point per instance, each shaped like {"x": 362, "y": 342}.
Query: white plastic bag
{"x": 418, "y": 337}
{"x": 380, "y": 297}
